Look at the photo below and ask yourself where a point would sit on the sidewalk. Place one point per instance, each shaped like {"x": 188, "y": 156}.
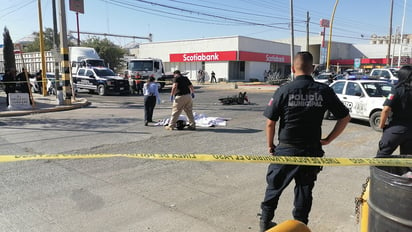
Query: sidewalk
{"x": 42, "y": 105}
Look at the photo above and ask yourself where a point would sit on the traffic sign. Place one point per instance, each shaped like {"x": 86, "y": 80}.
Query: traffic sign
{"x": 357, "y": 63}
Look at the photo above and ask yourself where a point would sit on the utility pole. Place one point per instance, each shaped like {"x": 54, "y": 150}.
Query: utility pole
{"x": 390, "y": 35}
{"x": 394, "y": 44}
{"x": 43, "y": 58}
{"x": 307, "y": 30}
{"x": 292, "y": 44}
{"x": 57, "y": 58}
{"x": 78, "y": 28}
{"x": 64, "y": 50}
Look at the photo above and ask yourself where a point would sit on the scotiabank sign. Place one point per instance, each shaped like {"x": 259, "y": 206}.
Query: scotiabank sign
{"x": 203, "y": 56}
{"x": 263, "y": 57}
{"x": 228, "y": 56}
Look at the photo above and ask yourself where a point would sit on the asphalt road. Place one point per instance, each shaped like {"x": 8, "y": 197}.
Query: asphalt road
{"x": 122, "y": 194}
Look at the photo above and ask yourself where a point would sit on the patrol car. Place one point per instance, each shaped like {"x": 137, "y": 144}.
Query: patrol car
{"x": 101, "y": 80}
{"x": 363, "y": 98}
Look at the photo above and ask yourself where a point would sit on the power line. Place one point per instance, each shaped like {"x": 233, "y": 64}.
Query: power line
{"x": 207, "y": 14}
{"x": 169, "y": 15}
{"x": 16, "y": 8}
{"x": 228, "y": 10}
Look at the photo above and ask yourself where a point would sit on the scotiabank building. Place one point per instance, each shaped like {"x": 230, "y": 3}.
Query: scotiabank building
{"x": 234, "y": 58}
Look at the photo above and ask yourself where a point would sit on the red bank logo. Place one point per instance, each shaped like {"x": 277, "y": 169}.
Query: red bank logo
{"x": 274, "y": 58}
{"x": 200, "y": 57}
{"x": 204, "y": 56}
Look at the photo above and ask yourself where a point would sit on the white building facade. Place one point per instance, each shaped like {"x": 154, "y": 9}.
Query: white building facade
{"x": 234, "y": 58}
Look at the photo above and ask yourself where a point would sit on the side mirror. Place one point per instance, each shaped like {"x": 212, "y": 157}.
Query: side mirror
{"x": 359, "y": 94}
{"x": 92, "y": 76}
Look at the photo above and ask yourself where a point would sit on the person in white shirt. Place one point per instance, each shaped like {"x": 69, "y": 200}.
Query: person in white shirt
{"x": 151, "y": 95}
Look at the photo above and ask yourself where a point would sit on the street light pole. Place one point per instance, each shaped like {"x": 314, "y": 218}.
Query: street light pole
{"x": 401, "y": 41}
{"x": 390, "y": 35}
{"x": 292, "y": 35}
{"x": 330, "y": 35}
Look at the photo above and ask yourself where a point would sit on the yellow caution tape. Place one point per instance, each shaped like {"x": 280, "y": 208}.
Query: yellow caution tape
{"x": 294, "y": 160}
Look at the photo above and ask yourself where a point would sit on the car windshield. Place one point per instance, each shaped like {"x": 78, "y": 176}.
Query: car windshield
{"x": 323, "y": 76}
{"x": 139, "y": 65}
{"x": 95, "y": 63}
{"x": 377, "y": 89}
{"x": 104, "y": 72}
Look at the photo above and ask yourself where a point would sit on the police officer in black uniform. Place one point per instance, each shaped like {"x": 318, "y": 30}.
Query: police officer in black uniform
{"x": 399, "y": 131}
{"x": 299, "y": 107}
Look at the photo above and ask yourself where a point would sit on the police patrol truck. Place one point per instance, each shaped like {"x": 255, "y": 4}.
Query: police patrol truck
{"x": 363, "y": 98}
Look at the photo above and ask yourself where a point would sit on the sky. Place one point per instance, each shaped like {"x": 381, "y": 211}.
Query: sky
{"x": 170, "y": 20}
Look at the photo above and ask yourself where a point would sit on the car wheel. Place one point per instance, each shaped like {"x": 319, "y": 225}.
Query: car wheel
{"x": 374, "y": 120}
{"x": 162, "y": 84}
{"x": 101, "y": 90}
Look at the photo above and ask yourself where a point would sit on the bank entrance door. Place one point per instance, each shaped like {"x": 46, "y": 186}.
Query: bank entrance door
{"x": 236, "y": 70}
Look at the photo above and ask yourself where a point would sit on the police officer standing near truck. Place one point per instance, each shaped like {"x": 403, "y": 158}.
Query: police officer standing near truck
{"x": 299, "y": 107}
{"x": 399, "y": 131}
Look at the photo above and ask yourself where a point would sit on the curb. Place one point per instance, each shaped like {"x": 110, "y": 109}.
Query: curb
{"x": 77, "y": 105}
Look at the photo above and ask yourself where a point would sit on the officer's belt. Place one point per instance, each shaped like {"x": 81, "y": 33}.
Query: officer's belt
{"x": 301, "y": 145}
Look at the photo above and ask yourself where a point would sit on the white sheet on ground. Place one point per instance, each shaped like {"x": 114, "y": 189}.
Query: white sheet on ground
{"x": 201, "y": 120}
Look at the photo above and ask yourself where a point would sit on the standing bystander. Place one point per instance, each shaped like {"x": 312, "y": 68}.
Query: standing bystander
{"x": 299, "y": 107}
{"x": 181, "y": 95}
{"x": 151, "y": 95}
{"x": 399, "y": 130}
{"x": 22, "y": 81}
{"x": 213, "y": 77}
{"x": 9, "y": 83}
{"x": 39, "y": 80}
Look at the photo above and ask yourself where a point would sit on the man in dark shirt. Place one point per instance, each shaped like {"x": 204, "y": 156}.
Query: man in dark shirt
{"x": 299, "y": 107}
{"x": 181, "y": 95}
{"x": 22, "y": 81}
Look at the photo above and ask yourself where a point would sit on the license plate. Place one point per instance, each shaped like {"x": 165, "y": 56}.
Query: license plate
{"x": 121, "y": 88}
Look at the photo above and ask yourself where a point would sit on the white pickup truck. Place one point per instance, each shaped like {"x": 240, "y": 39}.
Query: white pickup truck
{"x": 387, "y": 74}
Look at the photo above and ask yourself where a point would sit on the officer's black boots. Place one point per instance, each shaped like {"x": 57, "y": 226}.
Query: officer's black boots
{"x": 266, "y": 225}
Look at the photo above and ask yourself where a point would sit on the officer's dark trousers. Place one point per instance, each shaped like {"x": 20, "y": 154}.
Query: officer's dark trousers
{"x": 278, "y": 178}
{"x": 393, "y": 136}
{"x": 149, "y": 105}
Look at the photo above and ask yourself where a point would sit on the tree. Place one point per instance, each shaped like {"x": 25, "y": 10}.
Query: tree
{"x": 8, "y": 51}
{"x": 107, "y": 50}
{"x": 48, "y": 41}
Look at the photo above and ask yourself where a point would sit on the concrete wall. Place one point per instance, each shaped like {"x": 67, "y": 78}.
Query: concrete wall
{"x": 264, "y": 46}
{"x": 381, "y": 50}
{"x": 220, "y": 69}
{"x": 255, "y": 70}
